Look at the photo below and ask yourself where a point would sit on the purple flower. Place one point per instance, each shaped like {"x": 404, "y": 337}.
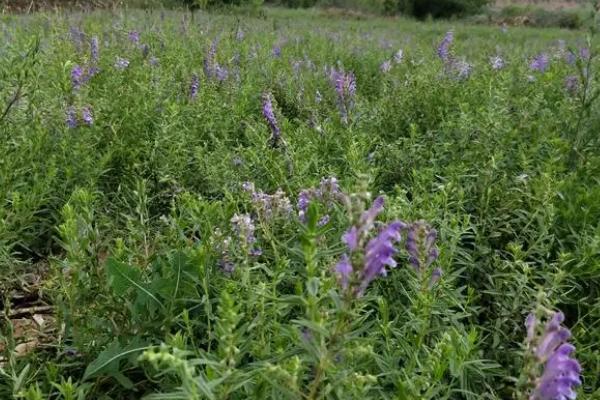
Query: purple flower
{"x": 343, "y": 270}
{"x": 561, "y": 375}
{"x": 87, "y": 116}
{"x": 570, "y": 57}
{"x": 94, "y": 49}
{"x": 210, "y": 60}
{"x": 368, "y": 217}
{"x": 350, "y": 238}
{"x": 443, "y": 50}
{"x": 71, "y": 118}
{"x": 463, "y": 69}
{"x": 121, "y": 63}
{"x": 303, "y": 203}
{"x": 77, "y": 76}
{"x": 276, "y": 52}
{"x": 420, "y": 246}
{"x": 324, "y": 220}
{"x": 153, "y": 61}
{"x": 386, "y": 66}
{"x": 244, "y": 228}
{"x": 497, "y": 63}
{"x": 269, "y": 114}
{"x": 379, "y": 254}
{"x": 345, "y": 87}
{"x": 540, "y": 63}
{"x": 134, "y": 37}
{"x": 561, "y": 372}
{"x": 584, "y": 54}
{"x": 268, "y": 205}
{"x": 194, "y": 86}
{"x": 93, "y": 70}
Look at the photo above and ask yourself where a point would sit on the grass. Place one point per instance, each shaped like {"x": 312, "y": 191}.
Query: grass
{"x": 129, "y": 245}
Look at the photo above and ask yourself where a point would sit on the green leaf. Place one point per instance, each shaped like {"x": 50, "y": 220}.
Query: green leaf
{"x": 107, "y": 362}
{"x": 122, "y": 277}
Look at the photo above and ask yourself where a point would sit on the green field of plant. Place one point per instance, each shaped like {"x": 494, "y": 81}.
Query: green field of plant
{"x": 292, "y": 205}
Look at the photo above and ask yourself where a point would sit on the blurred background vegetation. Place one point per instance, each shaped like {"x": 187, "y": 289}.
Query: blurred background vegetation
{"x": 570, "y": 14}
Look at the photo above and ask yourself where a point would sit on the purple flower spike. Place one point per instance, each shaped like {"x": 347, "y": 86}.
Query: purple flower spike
{"x": 343, "y": 270}
{"x": 87, "y": 116}
{"x": 386, "y": 66}
{"x": 350, "y": 238}
{"x": 345, "y": 87}
{"x": 561, "y": 371}
{"x": 71, "y": 118}
{"x": 540, "y": 63}
{"x": 379, "y": 254}
{"x": 94, "y": 49}
{"x": 420, "y": 246}
{"x": 497, "y": 63}
{"x": 269, "y": 114}
{"x": 443, "y": 50}
{"x": 584, "y": 54}
{"x": 323, "y": 221}
{"x": 77, "y": 76}
{"x": 134, "y": 37}
{"x": 368, "y": 217}
{"x": 303, "y": 203}
{"x": 561, "y": 374}
{"x": 276, "y": 51}
{"x": 210, "y": 61}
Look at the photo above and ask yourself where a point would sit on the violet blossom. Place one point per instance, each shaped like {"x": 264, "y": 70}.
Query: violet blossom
{"x": 269, "y": 114}
{"x": 550, "y": 349}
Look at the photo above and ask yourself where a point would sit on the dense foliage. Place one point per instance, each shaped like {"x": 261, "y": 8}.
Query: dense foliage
{"x": 205, "y": 208}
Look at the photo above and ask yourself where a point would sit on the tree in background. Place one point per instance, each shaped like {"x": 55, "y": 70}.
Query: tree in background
{"x": 434, "y": 8}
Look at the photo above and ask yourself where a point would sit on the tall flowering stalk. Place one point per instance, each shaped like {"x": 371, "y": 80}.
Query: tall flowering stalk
{"x": 71, "y": 117}
{"x": 422, "y": 250}
{"x": 550, "y": 372}
{"x": 269, "y": 114}
{"x": 345, "y": 88}
{"x": 210, "y": 61}
{"x": 443, "y": 50}
{"x": 367, "y": 258}
{"x": 453, "y": 67}
{"x": 94, "y": 50}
